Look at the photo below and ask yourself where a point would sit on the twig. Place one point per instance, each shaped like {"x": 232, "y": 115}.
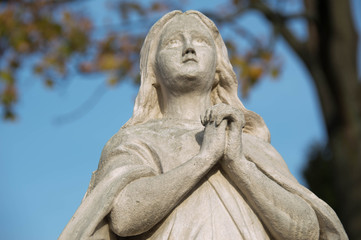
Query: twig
{"x": 278, "y": 21}
{"x": 84, "y": 108}
{"x": 243, "y": 32}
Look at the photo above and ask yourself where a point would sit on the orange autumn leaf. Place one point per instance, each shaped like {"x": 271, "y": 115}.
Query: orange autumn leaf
{"x": 109, "y": 62}
{"x": 255, "y": 72}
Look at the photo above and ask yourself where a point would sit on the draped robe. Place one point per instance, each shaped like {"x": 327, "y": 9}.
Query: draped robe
{"x": 214, "y": 209}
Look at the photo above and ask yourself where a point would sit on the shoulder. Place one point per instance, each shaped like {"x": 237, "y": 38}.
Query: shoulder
{"x": 130, "y": 134}
{"x": 128, "y": 147}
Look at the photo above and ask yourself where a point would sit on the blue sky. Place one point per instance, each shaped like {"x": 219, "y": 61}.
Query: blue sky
{"x": 45, "y": 167}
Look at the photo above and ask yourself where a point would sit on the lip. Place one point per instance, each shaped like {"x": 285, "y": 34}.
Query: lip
{"x": 189, "y": 59}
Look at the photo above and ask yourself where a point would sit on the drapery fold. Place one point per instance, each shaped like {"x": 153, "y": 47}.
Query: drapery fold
{"x": 116, "y": 171}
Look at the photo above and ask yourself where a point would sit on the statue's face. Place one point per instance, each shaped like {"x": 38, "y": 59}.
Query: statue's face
{"x": 186, "y": 58}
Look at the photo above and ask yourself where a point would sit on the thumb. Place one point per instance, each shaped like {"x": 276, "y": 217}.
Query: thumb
{"x": 223, "y": 125}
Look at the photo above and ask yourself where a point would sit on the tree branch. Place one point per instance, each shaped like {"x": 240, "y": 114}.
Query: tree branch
{"x": 219, "y": 18}
{"x": 302, "y": 15}
{"x": 243, "y": 32}
{"x": 84, "y": 108}
{"x": 44, "y": 2}
{"x": 278, "y": 21}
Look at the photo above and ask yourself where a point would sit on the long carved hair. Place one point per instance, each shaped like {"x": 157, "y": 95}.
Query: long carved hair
{"x": 148, "y": 102}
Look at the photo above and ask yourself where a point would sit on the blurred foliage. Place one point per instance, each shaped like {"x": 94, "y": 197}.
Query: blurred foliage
{"x": 50, "y": 39}
{"x": 53, "y": 40}
{"x": 37, "y": 30}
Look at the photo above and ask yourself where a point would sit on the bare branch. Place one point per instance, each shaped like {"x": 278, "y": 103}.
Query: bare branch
{"x": 43, "y": 2}
{"x": 244, "y": 33}
{"x": 225, "y": 18}
{"x": 279, "y": 22}
{"x": 302, "y": 15}
{"x": 84, "y": 108}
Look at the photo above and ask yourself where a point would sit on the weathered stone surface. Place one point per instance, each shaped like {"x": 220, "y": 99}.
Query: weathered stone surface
{"x": 193, "y": 162}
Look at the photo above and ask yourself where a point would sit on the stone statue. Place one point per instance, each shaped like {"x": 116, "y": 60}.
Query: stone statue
{"x": 171, "y": 174}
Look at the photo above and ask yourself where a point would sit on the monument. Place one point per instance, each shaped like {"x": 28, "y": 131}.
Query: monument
{"x": 193, "y": 162}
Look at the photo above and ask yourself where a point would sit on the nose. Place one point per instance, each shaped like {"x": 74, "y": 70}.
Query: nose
{"x": 188, "y": 48}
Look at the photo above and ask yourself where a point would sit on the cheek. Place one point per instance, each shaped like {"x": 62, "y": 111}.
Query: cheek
{"x": 167, "y": 59}
{"x": 210, "y": 58}
{"x": 213, "y": 58}
{"x": 166, "y": 64}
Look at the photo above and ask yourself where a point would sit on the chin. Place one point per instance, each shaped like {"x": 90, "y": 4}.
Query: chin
{"x": 190, "y": 77}
{"x": 193, "y": 80}
{"x": 192, "y": 74}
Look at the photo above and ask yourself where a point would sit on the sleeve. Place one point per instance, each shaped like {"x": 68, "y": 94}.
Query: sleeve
{"x": 270, "y": 162}
{"x": 123, "y": 160}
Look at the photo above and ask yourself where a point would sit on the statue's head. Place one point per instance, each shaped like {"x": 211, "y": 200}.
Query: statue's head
{"x": 186, "y": 58}
{"x": 223, "y": 83}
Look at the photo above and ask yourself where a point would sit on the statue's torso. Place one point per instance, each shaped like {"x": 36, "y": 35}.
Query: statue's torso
{"x": 215, "y": 209}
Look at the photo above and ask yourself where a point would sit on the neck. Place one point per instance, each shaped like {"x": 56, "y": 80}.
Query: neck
{"x": 186, "y": 106}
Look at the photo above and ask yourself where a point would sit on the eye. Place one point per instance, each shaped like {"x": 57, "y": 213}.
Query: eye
{"x": 173, "y": 43}
{"x": 200, "y": 42}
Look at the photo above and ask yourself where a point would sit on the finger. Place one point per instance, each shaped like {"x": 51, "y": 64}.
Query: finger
{"x": 210, "y": 118}
{"x": 223, "y": 125}
{"x": 231, "y": 117}
{"x": 220, "y": 118}
{"x": 201, "y": 117}
{"x": 237, "y": 119}
{"x": 205, "y": 117}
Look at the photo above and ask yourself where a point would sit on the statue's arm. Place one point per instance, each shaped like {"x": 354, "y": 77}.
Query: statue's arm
{"x": 146, "y": 201}
{"x": 286, "y": 215}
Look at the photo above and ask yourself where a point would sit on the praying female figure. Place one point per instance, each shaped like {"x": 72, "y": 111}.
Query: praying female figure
{"x": 193, "y": 162}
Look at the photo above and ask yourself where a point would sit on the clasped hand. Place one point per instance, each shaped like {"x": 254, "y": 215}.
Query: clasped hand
{"x": 223, "y": 132}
